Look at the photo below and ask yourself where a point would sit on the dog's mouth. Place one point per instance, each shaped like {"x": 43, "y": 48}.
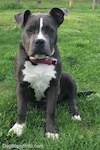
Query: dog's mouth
{"x": 37, "y": 56}
{"x": 43, "y": 59}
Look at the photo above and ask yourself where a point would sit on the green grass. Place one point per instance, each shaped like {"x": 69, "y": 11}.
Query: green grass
{"x": 79, "y": 44}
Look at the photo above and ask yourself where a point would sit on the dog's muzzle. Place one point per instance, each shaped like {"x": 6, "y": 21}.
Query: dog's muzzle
{"x": 41, "y": 47}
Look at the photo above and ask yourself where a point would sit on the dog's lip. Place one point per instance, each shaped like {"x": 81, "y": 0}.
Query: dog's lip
{"x": 38, "y": 57}
{"x": 41, "y": 56}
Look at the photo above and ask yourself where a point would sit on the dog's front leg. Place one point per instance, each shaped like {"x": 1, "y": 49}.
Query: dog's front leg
{"x": 52, "y": 96}
{"x": 21, "y": 111}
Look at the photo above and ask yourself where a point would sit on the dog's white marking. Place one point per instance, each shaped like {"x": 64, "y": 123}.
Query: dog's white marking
{"x": 41, "y": 23}
{"x": 17, "y": 129}
{"x": 39, "y": 77}
{"x": 40, "y": 34}
{"x": 53, "y": 51}
{"x": 76, "y": 117}
{"x": 52, "y": 135}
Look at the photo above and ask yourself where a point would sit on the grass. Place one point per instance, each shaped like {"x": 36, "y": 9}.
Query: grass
{"x": 79, "y": 44}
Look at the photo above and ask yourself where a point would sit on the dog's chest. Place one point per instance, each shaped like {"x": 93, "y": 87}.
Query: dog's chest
{"x": 39, "y": 77}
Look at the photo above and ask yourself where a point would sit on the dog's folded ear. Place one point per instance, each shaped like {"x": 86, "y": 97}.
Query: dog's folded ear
{"x": 58, "y": 14}
{"x": 21, "y": 18}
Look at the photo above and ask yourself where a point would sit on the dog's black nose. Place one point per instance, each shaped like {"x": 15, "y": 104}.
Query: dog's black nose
{"x": 40, "y": 42}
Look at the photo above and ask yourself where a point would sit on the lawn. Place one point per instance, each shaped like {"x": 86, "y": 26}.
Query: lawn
{"x": 79, "y": 44}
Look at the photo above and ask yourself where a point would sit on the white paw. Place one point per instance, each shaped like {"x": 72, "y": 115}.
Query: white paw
{"x": 52, "y": 135}
{"x": 76, "y": 117}
{"x": 17, "y": 129}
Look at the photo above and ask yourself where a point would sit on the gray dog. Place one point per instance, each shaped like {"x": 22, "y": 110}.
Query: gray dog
{"x": 38, "y": 69}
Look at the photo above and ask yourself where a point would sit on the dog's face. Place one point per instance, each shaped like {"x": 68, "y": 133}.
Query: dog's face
{"x": 40, "y": 34}
{"x": 40, "y": 31}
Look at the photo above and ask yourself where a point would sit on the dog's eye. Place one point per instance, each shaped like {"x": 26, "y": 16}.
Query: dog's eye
{"x": 31, "y": 29}
{"x": 48, "y": 30}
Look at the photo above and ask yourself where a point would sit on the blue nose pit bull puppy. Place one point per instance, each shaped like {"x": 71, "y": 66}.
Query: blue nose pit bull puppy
{"x": 38, "y": 69}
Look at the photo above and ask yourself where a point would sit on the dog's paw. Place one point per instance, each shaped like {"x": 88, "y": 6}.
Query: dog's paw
{"x": 52, "y": 135}
{"x": 76, "y": 117}
{"x": 17, "y": 129}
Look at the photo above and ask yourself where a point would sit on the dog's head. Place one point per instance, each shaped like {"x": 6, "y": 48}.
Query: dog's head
{"x": 40, "y": 31}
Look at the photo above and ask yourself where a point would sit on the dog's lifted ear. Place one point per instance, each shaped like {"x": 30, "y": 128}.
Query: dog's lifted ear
{"x": 65, "y": 11}
{"x": 58, "y": 14}
{"x": 22, "y": 18}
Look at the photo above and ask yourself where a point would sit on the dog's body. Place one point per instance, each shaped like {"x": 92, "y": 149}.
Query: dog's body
{"x": 38, "y": 69}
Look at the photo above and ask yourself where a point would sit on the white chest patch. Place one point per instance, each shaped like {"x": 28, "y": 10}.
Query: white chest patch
{"x": 39, "y": 77}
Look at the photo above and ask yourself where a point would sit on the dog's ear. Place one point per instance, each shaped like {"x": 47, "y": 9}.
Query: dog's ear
{"x": 65, "y": 11}
{"x": 58, "y": 15}
{"x": 22, "y": 18}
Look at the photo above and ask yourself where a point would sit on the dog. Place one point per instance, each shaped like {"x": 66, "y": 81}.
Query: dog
{"x": 39, "y": 70}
